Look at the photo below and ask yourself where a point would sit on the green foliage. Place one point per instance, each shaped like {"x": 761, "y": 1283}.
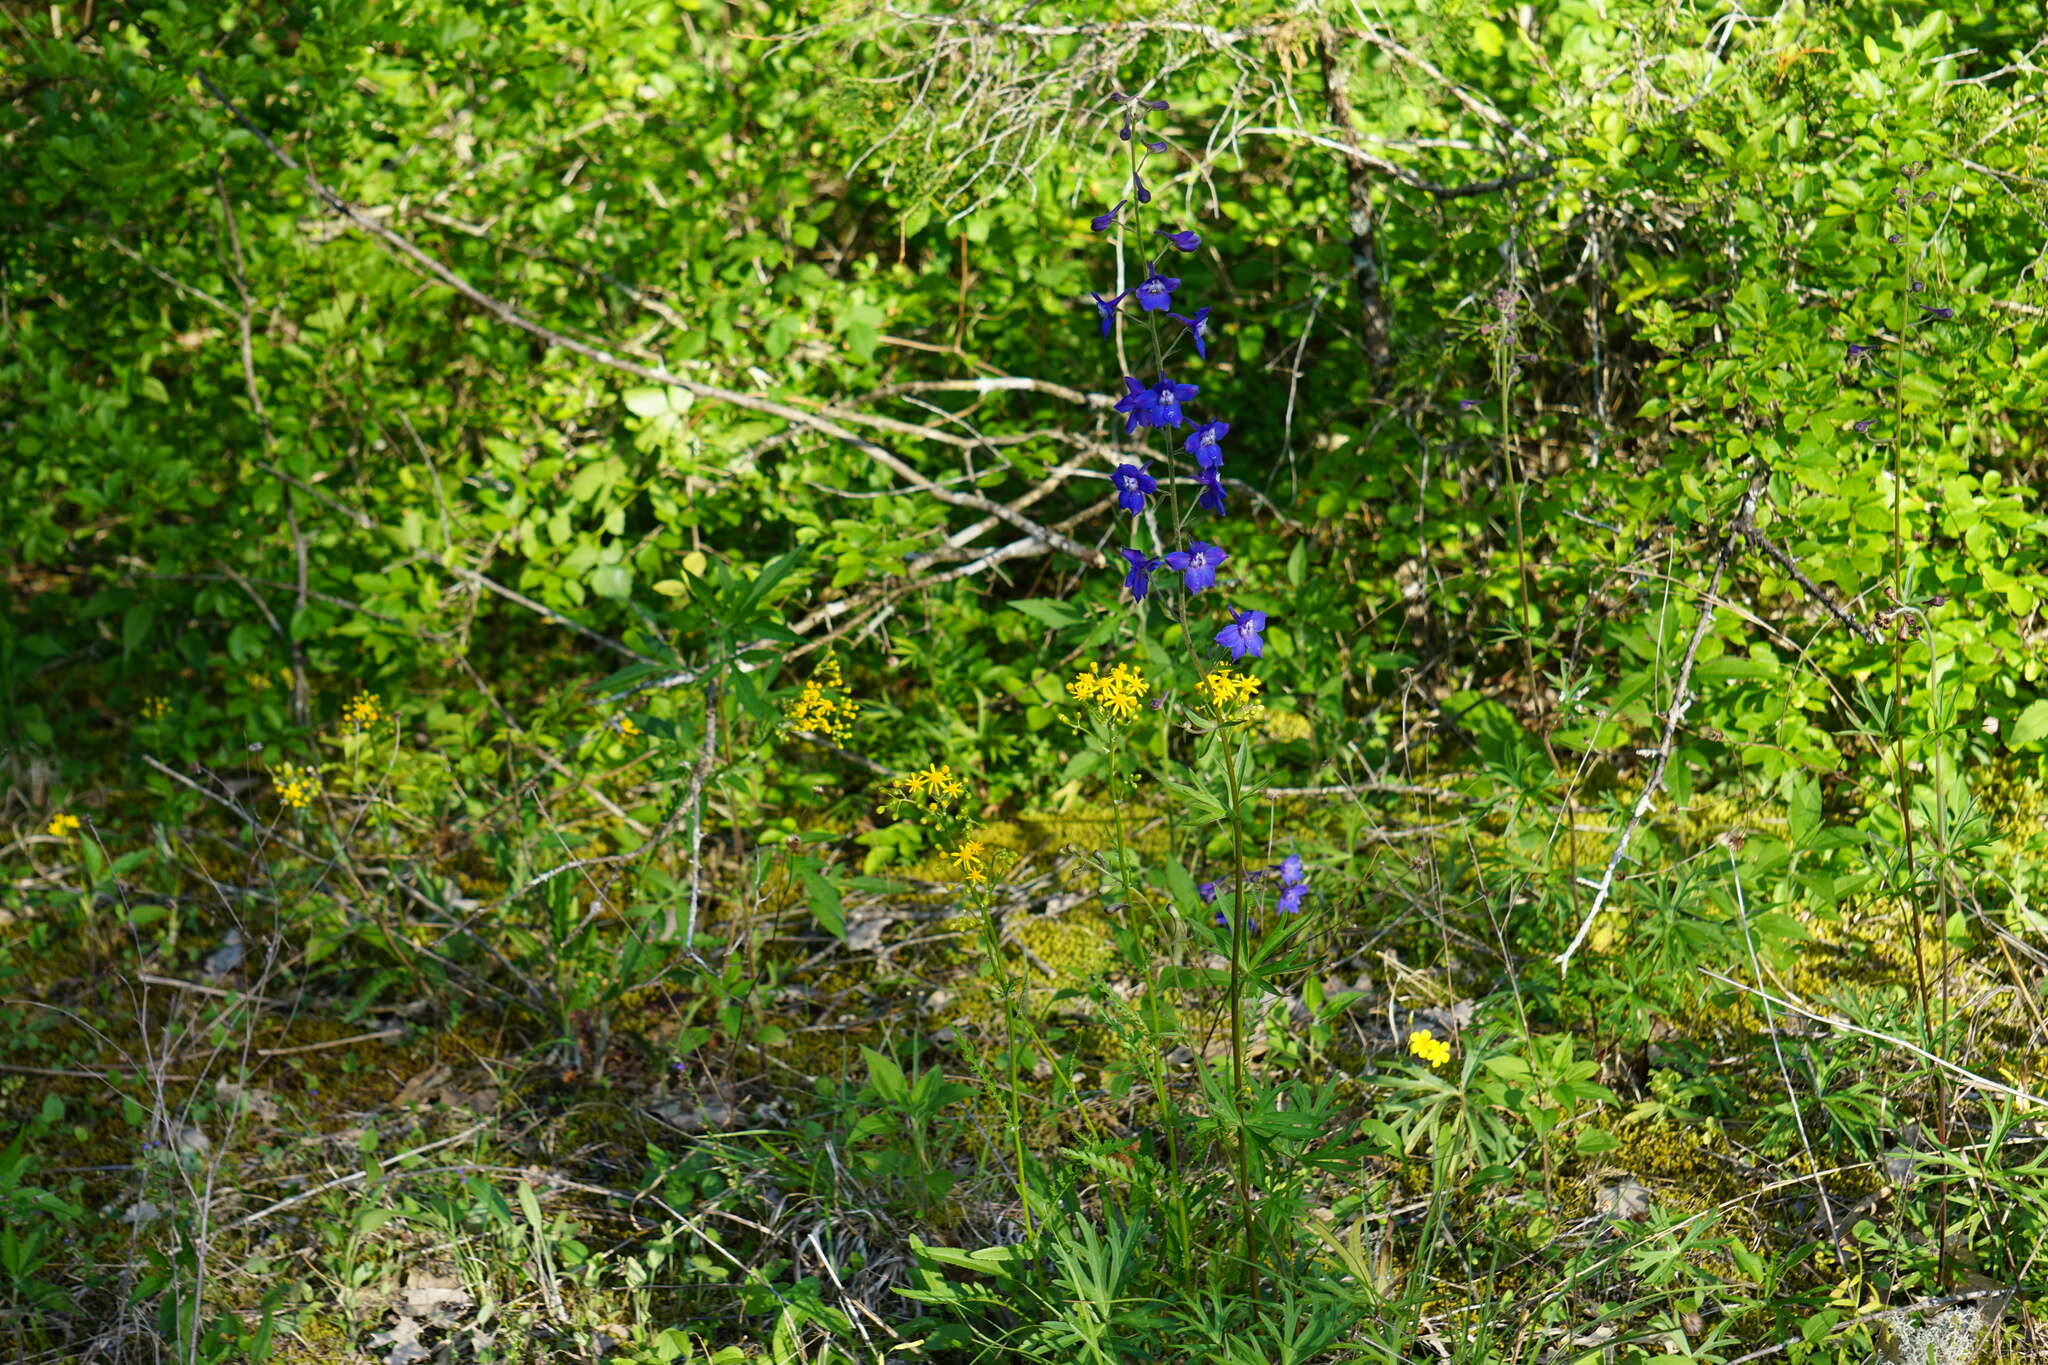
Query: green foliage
{"x": 442, "y": 442}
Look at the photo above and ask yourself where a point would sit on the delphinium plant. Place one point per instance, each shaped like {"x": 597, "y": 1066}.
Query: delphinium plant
{"x": 1179, "y": 565}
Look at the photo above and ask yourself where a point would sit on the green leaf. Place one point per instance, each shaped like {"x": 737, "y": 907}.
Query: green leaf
{"x": 1050, "y": 611}
{"x": 826, "y": 906}
{"x": 2030, "y": 727}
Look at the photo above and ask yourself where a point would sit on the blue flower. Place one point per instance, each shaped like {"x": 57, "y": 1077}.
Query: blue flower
{"x": 1857, "y": 350}
{"x": 1118, "y": 97}
{"x": 1139, "y": 579}
{"x": 1183, "y": 240}
{"x": 1290, "y": 871}
{"x": 1155, "y": 295}
{"x": 1223, "y": 922}
{"x": 1290, "y": 899}
{"x": 1132, "y": 484}
{"x": 1107, "y": 309}
{"x": 1158, "y": 146}
{"x": 1156, "y": 406}
{"x": 1144, "y": 195}
{"x": 1211, "y": 497}
{"x": 1196, "y": 326}
{"x": 1205, "y": 443}
{"x": 1241, "y": 636}
{"x": 1196, "y": 566}
{"x": 1937, "y": 314}
{"x": 1207, "y": 891}
{"x": 1103, "y": 222}
{"x": 1865, "y": 425}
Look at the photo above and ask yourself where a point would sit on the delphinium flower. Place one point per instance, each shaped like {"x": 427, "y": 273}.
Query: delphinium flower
{"x": 1210, "y": 499}
{"x": 1205, "y": 443}
{"x": 1863, "y": 426}
{"x": 62, "y": 825}
{"x": 1154, "y": 405}
{"x": 1132, "y": 486}
{"x": 1293, "y": 884}
{"x": 1139, "y": 579}
{"x": 1117, "y": 694}
{"x": 1197, "y": 565}
{"x": 1243, "y": 635}
{"x": 1184, "y": 240}
{"x": 1155, "y": 292}
{"x": 1103, "y": 222}
{"x": 1197, "y": 328}
{"x": 1937, "y": 314}
{"x": 1429, "y": 1047}
{"x": 1105, "y": 309}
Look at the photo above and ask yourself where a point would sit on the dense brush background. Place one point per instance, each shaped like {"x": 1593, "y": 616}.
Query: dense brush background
{"x": 623, "y": 363}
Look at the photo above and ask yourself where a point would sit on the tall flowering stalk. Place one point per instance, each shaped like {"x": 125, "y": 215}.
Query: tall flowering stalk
{"x": 1153, "y": 403}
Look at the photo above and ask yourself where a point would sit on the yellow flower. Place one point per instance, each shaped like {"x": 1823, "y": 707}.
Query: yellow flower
{"x": 822, "y": 708}
{"x": 295, "y": 786}
{"x": 1117, "y": 694}
{"x": 971, "y": 861}
{"x": 1226, "y": 690}
{"x": 932, "y": 783}
{"x": 155, "y": 708}
{"x": 362, "y": 712}
{"x": 63, "y": 825}
{"x": 1429, "y": 1047}
{"x": 625, "y": 726}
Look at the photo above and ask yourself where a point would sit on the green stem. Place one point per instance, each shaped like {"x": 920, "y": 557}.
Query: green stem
{"x": 1239, "y": 943}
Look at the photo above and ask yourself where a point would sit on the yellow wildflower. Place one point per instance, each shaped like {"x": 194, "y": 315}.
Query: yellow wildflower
{"x": 625, "y": 726}
{"x": 1226, "y": 689}
{"x": 932, "y": 784}
{"x": 822, "y": 708}
{"x": 362, "y": 712}
{"x": 63, "y": 825}
{"x": 971, "y": 861}
{"x": 155, "y": 708}
{"x": 1117, "y": 693}
{"x": 295, "y": 786}
{"x": 1429, "y": 1047}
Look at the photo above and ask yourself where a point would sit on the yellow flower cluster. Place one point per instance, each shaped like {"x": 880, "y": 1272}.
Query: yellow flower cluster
{"x": 1429, "y": 1047}
{"x": 1226, "y": 689}
{"x": 1117, "y": 693}
{"x": 362, "y": 712}
{"x": 155, "y": 708}
{"x": 63, "y": 825}
{"x": 931, "y": 787}
{"x": 823, "y": 708}
{"x": 971, "y": 860}
{"x": 295, "y": 786}
{"x": 625, "y": 726}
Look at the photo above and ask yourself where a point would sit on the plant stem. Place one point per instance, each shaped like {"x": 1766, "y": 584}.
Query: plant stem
{"x": 1239, "y": 943}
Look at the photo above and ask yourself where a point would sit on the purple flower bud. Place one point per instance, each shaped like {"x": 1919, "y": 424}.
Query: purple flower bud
{"x": 1895, "y": 239}
{"x": 1865, "y": 425}
{"x": 1937, "y": 314}
{"x": 1144, "y": 195}
{"x": 1103, "y": 222}
{"x": 1184, "y": 240}
{"x": 1158, "y": 146}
